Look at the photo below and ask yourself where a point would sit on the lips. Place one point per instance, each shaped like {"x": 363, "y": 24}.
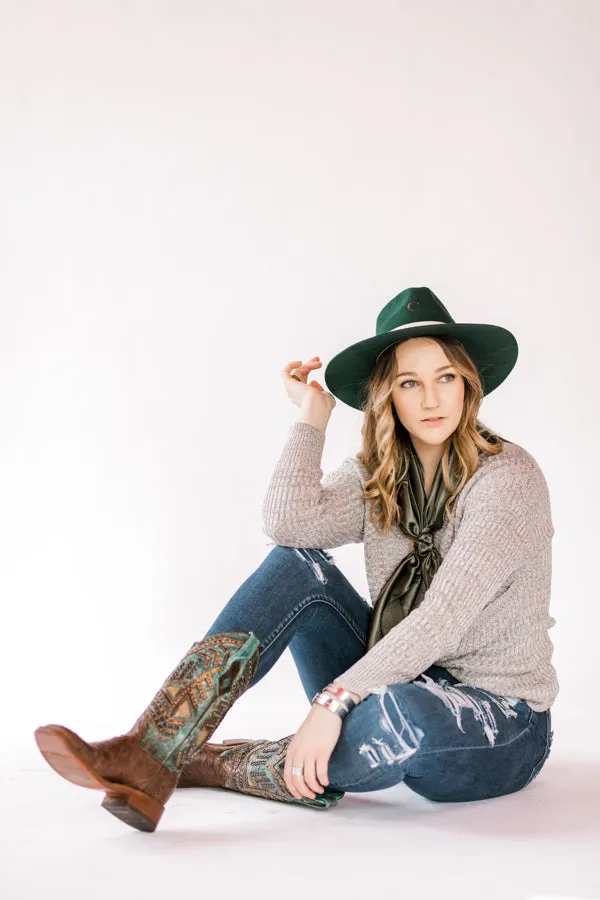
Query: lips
{"x": 434, "y": 418}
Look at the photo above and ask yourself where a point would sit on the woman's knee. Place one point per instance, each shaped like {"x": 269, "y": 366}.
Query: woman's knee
{"x": 313, "y": 573}
{"x": 302, "y": 559}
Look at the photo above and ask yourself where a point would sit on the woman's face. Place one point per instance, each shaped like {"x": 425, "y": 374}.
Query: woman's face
{"x": 430, "y": 386}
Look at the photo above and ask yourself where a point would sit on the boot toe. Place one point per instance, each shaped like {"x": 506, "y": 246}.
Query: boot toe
{"x": 67, "y": 754}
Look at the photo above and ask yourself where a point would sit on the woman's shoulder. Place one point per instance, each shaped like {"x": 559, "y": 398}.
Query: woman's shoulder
{"x": 513, "y": 477}
{"x": 352, "y": 463}
{"x": 513, "y": 458}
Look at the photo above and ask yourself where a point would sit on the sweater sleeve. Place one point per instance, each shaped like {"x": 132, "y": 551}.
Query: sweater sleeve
{"x": 505, "y": 512}
{"x": 300, "y": 510}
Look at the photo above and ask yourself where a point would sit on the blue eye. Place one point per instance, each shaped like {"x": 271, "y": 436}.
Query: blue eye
{"x": 412, "y": 381}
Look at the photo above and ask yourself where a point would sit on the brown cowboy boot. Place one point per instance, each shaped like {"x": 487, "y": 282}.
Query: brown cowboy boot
{"x": 251, "y": 767}
{"x": 139, "y": 770}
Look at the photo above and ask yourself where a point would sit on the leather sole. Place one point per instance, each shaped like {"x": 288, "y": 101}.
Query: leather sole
{"x": 128, "y": 804}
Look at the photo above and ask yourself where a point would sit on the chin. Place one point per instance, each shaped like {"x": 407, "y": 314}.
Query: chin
{"x": 440, "y": 439}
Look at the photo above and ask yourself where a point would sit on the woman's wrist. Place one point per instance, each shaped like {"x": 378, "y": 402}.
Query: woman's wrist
{"x": 315, "y": 411}
{"x": 336, "y": 685}
{"x": 336, "y": 699}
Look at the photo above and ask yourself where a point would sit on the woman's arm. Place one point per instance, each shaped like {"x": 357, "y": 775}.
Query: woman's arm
{"x": 300, "y": 507}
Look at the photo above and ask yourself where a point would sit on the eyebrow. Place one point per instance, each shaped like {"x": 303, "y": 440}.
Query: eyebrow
{"x": 441, "y": 369}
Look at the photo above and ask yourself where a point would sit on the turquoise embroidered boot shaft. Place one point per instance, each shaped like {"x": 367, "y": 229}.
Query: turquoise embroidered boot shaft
{"x": 139, "y": 770}
{"x": 251, "y": 767}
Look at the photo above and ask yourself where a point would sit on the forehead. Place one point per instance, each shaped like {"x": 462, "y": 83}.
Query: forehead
{"x": 420, "y": 352}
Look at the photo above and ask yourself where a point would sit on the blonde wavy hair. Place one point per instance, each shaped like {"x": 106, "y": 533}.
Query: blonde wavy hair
{"x": 385, "y": 451}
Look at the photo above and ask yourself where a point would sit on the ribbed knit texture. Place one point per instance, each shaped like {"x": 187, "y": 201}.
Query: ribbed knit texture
{"x": 485, "y": 616}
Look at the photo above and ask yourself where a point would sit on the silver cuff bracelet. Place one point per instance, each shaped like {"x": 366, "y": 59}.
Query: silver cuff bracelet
{"x": 331, "y": 703}
{"x": 342, "y": 695}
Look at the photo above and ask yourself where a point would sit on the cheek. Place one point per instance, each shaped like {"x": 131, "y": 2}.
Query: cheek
{"x": 402, "y": 402}
{"x": 458, "y": 398}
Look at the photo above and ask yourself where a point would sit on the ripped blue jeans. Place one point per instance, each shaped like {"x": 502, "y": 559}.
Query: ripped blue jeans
{"x": 444, "y": 739}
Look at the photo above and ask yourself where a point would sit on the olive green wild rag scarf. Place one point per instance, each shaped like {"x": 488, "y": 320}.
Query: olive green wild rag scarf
{"x": 420, "y": 517}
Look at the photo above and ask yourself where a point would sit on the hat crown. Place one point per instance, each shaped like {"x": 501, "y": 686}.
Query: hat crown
{"x": 411, "y": 306}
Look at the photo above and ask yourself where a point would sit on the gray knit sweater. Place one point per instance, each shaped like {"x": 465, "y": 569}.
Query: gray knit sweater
{"x": 485, "y": 616}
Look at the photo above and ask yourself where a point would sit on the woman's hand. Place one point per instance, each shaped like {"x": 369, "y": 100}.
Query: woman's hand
{"x": 297, "y": 386}
{"x": 310, "y": 749}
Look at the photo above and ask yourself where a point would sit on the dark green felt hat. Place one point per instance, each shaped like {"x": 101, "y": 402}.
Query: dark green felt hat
{"x": 416, "y": 312}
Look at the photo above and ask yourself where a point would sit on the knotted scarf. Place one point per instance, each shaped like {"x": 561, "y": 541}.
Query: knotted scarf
{"x": 420, "y": 517}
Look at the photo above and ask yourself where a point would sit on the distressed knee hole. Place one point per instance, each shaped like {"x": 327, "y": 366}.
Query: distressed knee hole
{"x": 310, "y": 557}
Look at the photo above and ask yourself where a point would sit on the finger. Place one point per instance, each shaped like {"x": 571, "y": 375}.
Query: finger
{"x": 310, "y": 776}
{"x": 300, "y": 780}
{"x": 291, "y": 365}
{"x": 300, "y": 367}
{"x": 322, "y": 767}
{"x": 293, "y": 786}
{"x": 305, "y": 369}
{"x": 287, "y": 772}
{"x": 297, "y": 785}
{"x": 295, "y": 363}
{"x": 313, "y": 363}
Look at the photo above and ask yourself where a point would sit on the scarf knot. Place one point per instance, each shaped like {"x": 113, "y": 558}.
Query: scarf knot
{"x": 424, "y": 542}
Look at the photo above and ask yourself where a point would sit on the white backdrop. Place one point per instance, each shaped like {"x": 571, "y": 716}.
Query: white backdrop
{"x": 193, "y": 194}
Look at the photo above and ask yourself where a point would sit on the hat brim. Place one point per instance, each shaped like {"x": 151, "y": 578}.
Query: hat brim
{"x": 493, "y": 349}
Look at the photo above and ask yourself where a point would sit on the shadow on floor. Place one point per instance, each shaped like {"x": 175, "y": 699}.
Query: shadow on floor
{"x": 564, "y": 799}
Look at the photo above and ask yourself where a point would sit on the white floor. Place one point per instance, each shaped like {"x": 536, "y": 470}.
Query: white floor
{"x": 544, "y": 842}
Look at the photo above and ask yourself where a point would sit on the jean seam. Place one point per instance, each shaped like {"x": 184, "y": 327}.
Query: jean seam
{"x": 302, "y": 606}
{"x": 538, "y": 766}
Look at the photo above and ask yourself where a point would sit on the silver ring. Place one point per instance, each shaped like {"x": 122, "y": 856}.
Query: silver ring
{"x": 296, "y": 770}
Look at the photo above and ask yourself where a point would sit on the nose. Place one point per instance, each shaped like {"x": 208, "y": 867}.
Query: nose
{"x": 430, "y": 399}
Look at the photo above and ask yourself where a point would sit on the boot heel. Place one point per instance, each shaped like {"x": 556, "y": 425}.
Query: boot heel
{"x": 134, "y": 808}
